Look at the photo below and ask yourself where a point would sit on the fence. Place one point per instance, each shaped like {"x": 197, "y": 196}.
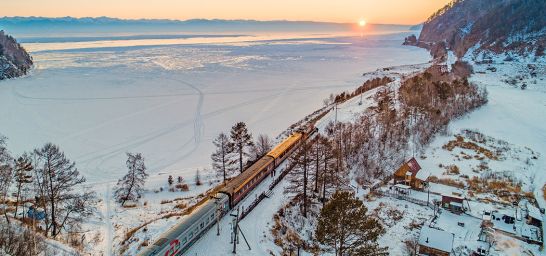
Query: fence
{"x": 402, "y": 197}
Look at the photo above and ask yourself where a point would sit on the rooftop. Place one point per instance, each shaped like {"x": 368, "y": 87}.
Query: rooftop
{"x": 436, "y": 239}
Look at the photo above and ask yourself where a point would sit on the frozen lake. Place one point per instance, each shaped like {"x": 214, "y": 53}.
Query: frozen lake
{"x": 168, "y": 98}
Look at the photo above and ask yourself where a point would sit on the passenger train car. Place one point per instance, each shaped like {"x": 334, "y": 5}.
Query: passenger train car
{"x": 180, "y": 237}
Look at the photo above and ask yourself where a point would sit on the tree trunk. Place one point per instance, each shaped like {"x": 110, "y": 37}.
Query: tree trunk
{"x": 17, "y": 198}
{"x": 224, "y": 161}
{"x": 51, "y": 199}
{"x": 317, "y": 169}
{"x": 305, "y": 185}
{"x": 241, "y": 159}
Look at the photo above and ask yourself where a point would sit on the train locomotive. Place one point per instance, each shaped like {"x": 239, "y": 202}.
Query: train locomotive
{"x": 181, "y": 236}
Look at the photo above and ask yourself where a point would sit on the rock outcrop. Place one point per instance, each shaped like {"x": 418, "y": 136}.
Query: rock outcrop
{"x": 497, "y": 26}
{"x": 14, "y": 59}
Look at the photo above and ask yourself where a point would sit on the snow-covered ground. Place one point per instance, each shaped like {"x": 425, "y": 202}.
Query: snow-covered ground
{"x": 102, "y": 99}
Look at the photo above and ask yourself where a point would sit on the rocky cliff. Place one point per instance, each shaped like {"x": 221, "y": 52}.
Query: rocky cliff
{"x": 14, "y": 60}
{"x": 495, "y": 25}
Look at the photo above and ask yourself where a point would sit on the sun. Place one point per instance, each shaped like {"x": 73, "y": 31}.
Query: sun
{"x": 362, "y": 23}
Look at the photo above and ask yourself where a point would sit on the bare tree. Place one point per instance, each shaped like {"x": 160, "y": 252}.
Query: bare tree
{"x": 242, "y": 139}
{"x": 61, "y": 191}
{"x": 6, "y": 173}
{"x": 130, "y": 187}
{"x": 222, "y": 158}
{"x": 20, "y": 241}
{"x": 262, "y": 145}
{"x": 299, "y": 175}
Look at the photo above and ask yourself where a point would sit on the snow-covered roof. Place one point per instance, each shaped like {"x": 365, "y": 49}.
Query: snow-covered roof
{"x": 533, "y": 212}
{"x": 422, "y": 175}
{"x": 452, "y": 196}
{"x": 409, "y": 173}
{"x": 402, "y": 186}
{"x": 435, "y": 238}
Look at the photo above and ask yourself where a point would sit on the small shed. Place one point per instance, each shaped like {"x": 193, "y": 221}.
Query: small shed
{"x": 533, "y": 215}
{"x": 453, "y": 202}
{"x": 435, "y": 242}
{"x": 402, "y": 189}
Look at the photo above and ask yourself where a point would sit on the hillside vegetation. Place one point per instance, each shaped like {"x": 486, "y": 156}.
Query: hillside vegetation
{"x": 517, "y": 25}
{"x": 14, "y": 59}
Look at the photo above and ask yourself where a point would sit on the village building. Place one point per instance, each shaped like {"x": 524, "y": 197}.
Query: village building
{"x": 453, "y": 203}
{"x": 534, "y": 217}
{"x": 410, "y": 174}
{"x": 435, "y": 242}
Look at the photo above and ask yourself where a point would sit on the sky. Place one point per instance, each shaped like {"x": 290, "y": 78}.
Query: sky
{"x": 373, "y": 11}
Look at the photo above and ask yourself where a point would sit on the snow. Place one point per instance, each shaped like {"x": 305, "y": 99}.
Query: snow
{"x": 437, "y": 239}
{"x": 422, "y": 175}
{"x": 169, "y": 101}
{"x": 98, "y": 100}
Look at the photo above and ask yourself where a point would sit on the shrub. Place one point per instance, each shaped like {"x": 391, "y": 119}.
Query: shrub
{"x": 183, "y": 187}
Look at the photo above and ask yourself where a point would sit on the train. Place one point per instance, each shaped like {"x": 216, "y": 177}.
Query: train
{"x": 179, "y": 238}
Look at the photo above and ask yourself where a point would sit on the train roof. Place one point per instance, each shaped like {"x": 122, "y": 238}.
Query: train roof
{"x": 248, "y": 174}
{"x": 186, "y": 222}
{"x": 279, "y": 149}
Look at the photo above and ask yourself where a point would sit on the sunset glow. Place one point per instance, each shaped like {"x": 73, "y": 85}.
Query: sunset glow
{"x": 346, "y": 11}
{"x": 362, "y": 23}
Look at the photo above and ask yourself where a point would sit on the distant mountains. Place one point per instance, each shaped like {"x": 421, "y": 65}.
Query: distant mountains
{"x": 32, "y": 25}
{"x": 494, "y": 25}
{"x": 14, "y": 60}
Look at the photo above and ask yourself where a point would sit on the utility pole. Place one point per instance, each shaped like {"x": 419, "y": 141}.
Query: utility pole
{"x": 218, "y": 214}
{"x": 235, "y": 233}
{"x": 335, "y": 106}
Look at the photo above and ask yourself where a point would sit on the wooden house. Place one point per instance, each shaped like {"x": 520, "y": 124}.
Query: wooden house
{"x": 410, "y": 174}
{"x": 435, "y": 242}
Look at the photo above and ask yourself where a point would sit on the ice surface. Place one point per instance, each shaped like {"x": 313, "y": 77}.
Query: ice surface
{"x": 169, "y": 101}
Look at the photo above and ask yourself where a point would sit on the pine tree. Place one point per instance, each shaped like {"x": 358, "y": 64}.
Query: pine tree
{"x": 170, "y": 180}
{"x": 59, "y": 183}
{"x": 222, "y": 161}
{"x": 130, "y": 187}
{"x": 241, "y": 139}
{"x": 345, "y": 228}
{"x": 23, "y": 177}
{"x": 198, "y": 181}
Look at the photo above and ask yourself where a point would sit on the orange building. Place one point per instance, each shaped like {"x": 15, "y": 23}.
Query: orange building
{"x": 410, "y": 174}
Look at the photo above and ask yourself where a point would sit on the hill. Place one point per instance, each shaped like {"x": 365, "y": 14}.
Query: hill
{"x": 14, "y": 60}
{"x": 515, "y": 25}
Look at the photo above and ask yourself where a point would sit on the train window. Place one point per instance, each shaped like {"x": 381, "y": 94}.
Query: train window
{"x": 212, "y": 216}
{"x": 202, "y": 224}
{"x": 184, "y": 240}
